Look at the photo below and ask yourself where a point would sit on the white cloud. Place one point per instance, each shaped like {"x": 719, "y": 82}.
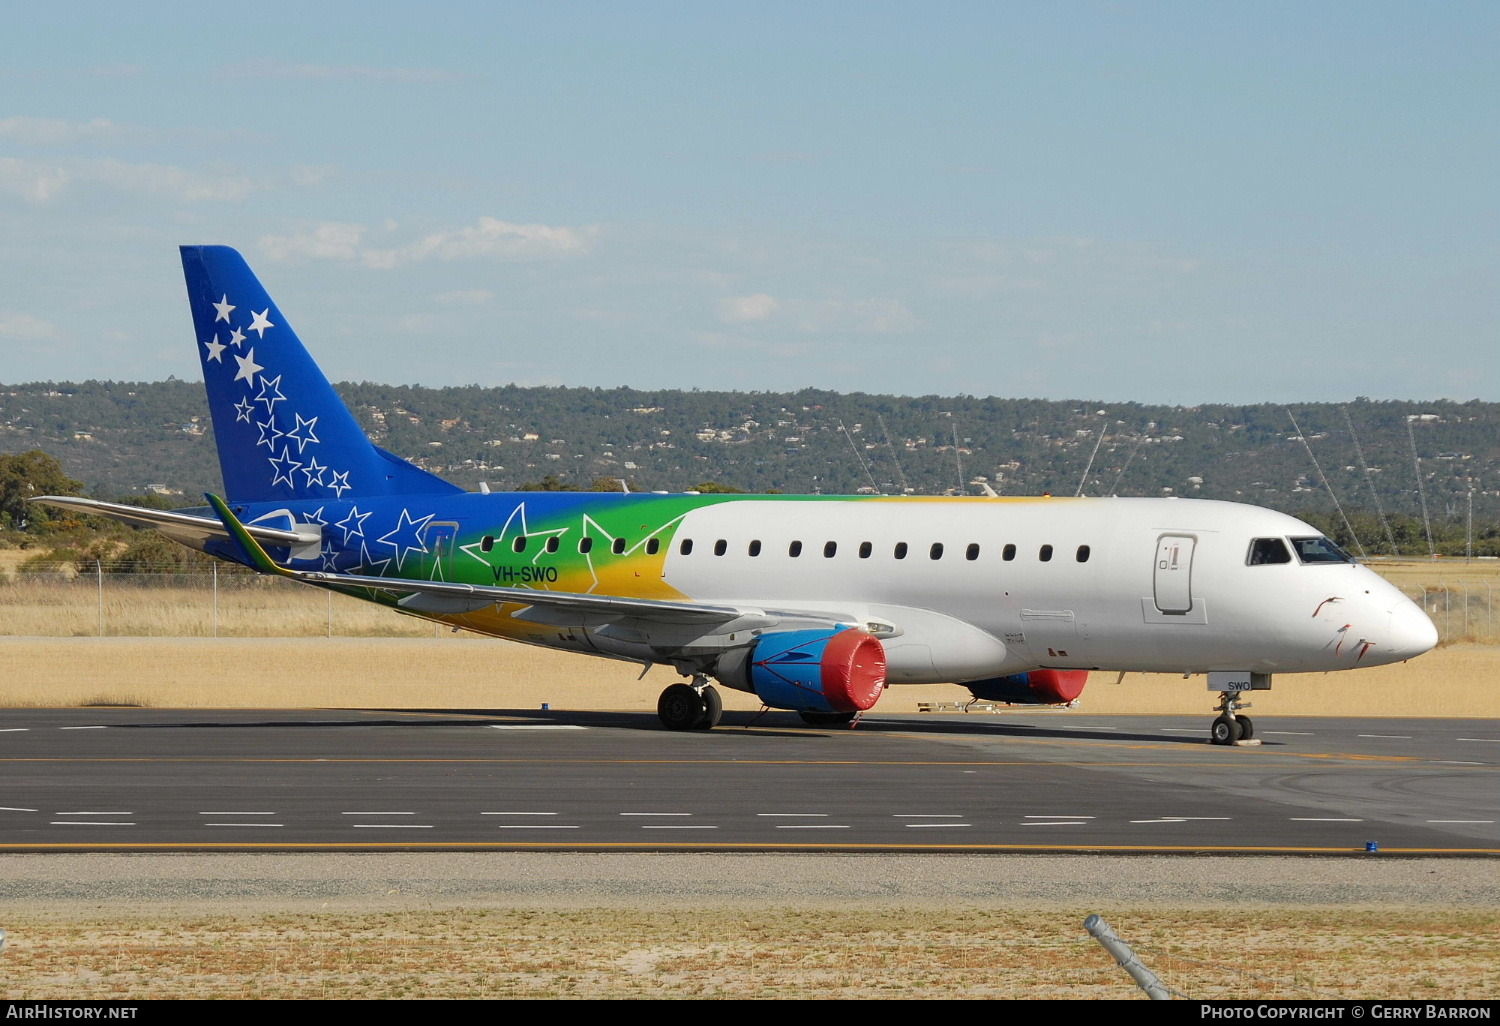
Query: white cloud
{"x": 331, "y": 240}
{"x": 876, "y": 316}
{"x": 488, "y": 238}
{"x": 55, "y": 132}
{"x": 744, "y": 309}
{"x": 33, "y": 182}
{"x": 39, "y": 181}
{"x": 21, "y": 327}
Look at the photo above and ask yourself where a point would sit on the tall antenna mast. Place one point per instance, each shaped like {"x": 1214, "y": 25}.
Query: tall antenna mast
{"x": 1348, "y": 526}
{"x": 958, "y": 457}
{"x": 900, "y": 474}
{"x": 1090, "y": 465}
{"x": 1370, "y": 480}
{"x": 859, "y": 456}
{"x": 1416, "y": 462}
{"x": 1115, "y": 485}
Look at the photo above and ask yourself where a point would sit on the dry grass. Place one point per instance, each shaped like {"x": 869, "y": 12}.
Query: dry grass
{"x": 719, "y": 953}
{"x": 468, "y": 672}
{"x": 267, "y": 643}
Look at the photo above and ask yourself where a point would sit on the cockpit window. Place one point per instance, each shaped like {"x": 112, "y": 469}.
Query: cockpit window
{"x": 1319, "y": 550}
{"x": 1268, "y": 550}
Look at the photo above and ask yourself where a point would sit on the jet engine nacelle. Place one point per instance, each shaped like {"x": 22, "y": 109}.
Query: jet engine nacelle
{"x": 820, "y": 670}
{"x": 1038, "y": 687}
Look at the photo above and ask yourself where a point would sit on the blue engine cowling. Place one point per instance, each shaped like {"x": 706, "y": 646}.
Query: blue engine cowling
{"x": 819, "y": 670}
{"x": 1038, "y": 687}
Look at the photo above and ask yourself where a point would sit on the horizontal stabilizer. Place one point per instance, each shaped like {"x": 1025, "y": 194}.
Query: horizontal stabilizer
{"x": 187, "y": 528}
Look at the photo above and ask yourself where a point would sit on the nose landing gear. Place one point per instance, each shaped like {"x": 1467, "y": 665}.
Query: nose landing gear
{"x": 1229, "y": 727}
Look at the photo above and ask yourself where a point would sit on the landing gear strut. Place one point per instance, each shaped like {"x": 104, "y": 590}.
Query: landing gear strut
{"x": 694, "y": 706}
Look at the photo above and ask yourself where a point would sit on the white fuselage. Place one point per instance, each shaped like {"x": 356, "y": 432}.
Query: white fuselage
{"x": 1163, "y": 585}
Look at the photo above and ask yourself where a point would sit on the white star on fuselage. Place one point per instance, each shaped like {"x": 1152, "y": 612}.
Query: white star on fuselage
{"x": 259, "y": 323}
{"x": 215, "y": 349}
{"x": 224, "y": 307}
{"x": 248, "y": 367}
{"x": 353, "y": 525}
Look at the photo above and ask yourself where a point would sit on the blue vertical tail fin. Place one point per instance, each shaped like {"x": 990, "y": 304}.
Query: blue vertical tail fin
{"x": 282, "y": 431}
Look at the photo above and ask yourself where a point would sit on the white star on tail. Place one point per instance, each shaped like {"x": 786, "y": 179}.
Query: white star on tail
{"x": 303, "y": 433}
{"x": 340, "y": 483}
{"x": 236, "y": 336}
{"x": 243, "y": 409}
{"x": 215, "y": 349}
{"x": 259, "y": 324}
{"x": 248, "y": 367}
{"x": 283, "y": 466}
{"x": 224, "y": 307}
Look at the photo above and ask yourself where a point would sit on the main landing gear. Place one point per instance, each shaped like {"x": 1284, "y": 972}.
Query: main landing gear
{"x": 694, "y": 706}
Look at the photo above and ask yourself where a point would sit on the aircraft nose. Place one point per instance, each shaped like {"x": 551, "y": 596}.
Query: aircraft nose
{"x": 1412, "y": 632}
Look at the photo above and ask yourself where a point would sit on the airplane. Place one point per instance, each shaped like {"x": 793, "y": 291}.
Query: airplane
{"x": 815, "y": 604}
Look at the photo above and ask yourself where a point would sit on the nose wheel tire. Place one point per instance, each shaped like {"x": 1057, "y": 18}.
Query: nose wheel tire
{"x": 681, "y": 707}
{"x": 1225, "y": 730}
{"x": 1247, "y": 727}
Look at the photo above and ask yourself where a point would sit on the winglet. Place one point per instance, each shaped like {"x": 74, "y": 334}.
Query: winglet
{"x": 254, "y": 555}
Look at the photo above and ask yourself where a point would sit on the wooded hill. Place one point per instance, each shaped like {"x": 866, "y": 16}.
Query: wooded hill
{"x": 127, "y": 437}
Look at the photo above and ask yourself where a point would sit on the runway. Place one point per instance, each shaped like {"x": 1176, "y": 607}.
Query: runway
{"x": 1026, "y": 781}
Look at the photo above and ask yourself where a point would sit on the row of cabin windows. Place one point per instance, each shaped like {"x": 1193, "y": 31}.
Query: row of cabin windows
{"x": 585, "y": 544}
{"x": 900, "y": 551}
{"x": 830, "y": 549}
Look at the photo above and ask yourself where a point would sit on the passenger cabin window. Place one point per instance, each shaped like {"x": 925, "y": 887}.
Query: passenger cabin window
{"x": 552, "y": 543}
{"x": 900, "y": 552}
{"x": 794, "y": 549}
{"x": 686, "y": 548}
{"x": 1008, "y": 553}
{"x": 1083, "y": 554}
{"x": 936, "y": 552}
{"x": 755, "y": 548}
{"x": 1319, "y": 550}
{"x": 487, "y": 543}
{"x": 972, "y": 552}
{"x": 519, "y": 544}
{"x": 653, "y": 546}
{"x": 830, "y": 549}
{"x": 720, "y": 547}
{"x": 618, "y": 547}
{"x": 1264, "y": 551}
{"x": 865, "y": 548}
{"x": 585, "y": 544}
{"x": 1046, "y": 554}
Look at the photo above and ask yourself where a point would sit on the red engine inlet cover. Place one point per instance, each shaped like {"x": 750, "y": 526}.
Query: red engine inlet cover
{"x": 853, "y": 671}
{"x": 1058, "y": 686}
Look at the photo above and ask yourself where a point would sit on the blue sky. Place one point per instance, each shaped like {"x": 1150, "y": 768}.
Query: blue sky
{"x": 1163, "y": 202}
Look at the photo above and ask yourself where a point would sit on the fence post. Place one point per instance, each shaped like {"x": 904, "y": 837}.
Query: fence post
{"x": 99, "y": 578}
{"x": 1122, "y": 954}
{"x": 330, "y": 615}
{"x": 1466, "y": 611}
{"x": 215, "y": 568}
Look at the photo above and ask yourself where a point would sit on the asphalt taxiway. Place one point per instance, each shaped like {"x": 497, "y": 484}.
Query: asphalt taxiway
{"x": 1024, "y": 781}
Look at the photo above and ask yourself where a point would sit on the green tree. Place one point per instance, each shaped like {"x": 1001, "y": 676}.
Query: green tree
{"x": 24, "y": 476}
